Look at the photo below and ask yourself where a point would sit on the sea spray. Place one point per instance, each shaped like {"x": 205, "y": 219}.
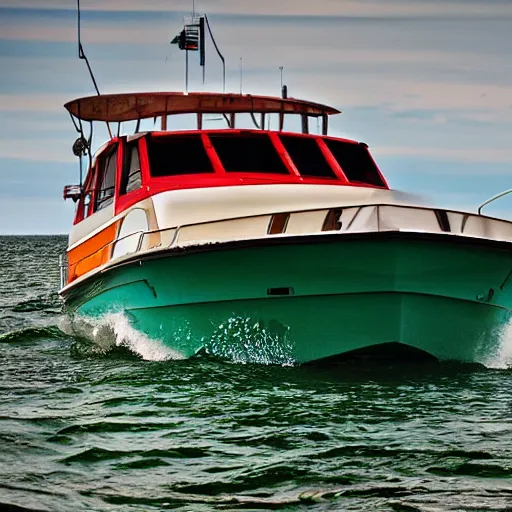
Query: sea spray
{"x": 238, "y": 339}
{"x": 115, "y": 330}
{"x": 248, "y": 340}
{"x": 501, "y": 357}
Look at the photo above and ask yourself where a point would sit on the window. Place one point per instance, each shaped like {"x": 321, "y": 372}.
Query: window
{"x": 248, "y": 153}
{"x": 355, "y": 161}
{"x": 307, "y": 157}
{"x": 132, "y": 176}
{"x": 105, "y": 194}
{"x": 86, "y": 202}
{"x": 176, "y": 155}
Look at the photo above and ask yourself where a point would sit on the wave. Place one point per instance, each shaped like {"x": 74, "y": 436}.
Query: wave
{"x": 33, "y": 334}
{"x": 240, "y": 340}
{"x": 45, "y": 303}
{"x": 501, "y": 357}
{"x": 112, "y": 332}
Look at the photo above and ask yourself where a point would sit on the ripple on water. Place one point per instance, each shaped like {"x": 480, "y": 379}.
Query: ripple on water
{"x": 86, "y": 429}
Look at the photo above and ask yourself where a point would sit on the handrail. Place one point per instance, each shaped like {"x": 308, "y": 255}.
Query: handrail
{"x": 63, "y": 269}
{"x": 493, "y": 198}
{"x": 177, "y": 229}
{"x": 109, "y": 244}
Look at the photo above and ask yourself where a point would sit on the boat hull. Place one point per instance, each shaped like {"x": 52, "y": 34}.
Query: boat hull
{"x": 305, "y": 299}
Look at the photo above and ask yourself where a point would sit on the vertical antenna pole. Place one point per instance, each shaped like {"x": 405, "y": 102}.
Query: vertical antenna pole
{"x": 281, "y": 69}
{"x": 81, "y": 170}
{"x": 241, "y": 75}
{"x": 202, "y": 46}
{"x": 186, "y": 71}
{"x": 79, "y": 31}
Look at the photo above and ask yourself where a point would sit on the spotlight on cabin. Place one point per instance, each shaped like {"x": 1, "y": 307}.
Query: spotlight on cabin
{"x": 73, "y": 192}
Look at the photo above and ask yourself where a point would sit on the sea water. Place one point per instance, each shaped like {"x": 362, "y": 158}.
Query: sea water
{"x": 102, "y": 418}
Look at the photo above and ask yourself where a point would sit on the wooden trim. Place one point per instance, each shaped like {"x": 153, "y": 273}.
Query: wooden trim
{"x": 133, "y": 106}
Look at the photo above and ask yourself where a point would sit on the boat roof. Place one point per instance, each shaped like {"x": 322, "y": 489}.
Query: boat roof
{"x": 143, "y": 105}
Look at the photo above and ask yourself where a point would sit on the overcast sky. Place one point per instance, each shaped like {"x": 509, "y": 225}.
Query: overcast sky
{"x": 426, "y": 83}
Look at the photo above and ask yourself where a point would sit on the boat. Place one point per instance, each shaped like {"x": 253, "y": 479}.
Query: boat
{"x": 212, "y": 238}
{"x": 271, "y": 240}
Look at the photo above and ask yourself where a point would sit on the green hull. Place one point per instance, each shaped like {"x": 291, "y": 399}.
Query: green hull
{"x": 315, "y": 298}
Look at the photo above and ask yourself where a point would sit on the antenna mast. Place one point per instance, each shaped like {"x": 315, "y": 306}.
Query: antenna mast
{"x": 241, "y": 75}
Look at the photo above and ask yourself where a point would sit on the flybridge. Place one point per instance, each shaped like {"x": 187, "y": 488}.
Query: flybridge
{"x": 127, "y": 170}
{"x": 118, "y": 108}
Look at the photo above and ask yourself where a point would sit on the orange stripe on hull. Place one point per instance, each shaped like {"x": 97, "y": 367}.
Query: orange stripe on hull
{"x": 92, "y": 253}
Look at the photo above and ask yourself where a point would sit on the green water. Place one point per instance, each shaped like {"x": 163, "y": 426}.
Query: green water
{"x": 94, "y": 426}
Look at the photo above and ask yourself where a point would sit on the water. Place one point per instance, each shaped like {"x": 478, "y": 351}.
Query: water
{"x": 121, "y": 426}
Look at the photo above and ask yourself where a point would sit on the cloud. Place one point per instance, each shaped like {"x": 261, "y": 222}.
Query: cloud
{"x": 37, "y": 103}
{"x": 463, "y": 154}
{"x": 468, "y": 202}
{"x": 365, "y": 8}
{"x": 33, "y": 30}
{"x": 37, "y": 150}
{"x": 53, "y": 215}
{"x": 425, "y": 82}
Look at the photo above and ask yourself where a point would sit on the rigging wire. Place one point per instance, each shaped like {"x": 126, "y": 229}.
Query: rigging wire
{"x": 218, "y": 53}
{"x": 82, "y": 56}
{"x": 81, "y": 53}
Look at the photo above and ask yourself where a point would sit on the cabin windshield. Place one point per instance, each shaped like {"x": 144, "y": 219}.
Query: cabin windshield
{"x": 248, "y": 152}
{"x": 355, "y": 161}
{"x": 307, "y": 157}
{"x": 208, "y": 158}
{"x": 174, "y": 155}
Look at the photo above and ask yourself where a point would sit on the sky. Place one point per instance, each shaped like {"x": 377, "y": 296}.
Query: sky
{"x": 427, "y": 84}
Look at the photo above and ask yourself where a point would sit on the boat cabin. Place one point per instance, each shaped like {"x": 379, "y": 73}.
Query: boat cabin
{"x": 128, "y": 169}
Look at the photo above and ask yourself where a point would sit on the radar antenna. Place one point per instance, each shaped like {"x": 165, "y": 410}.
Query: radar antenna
{"x": 193, "y": 38}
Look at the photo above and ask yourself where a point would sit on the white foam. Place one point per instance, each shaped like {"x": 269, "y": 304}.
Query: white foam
{"x": 115, "y": 329}
{"x": 502, "y": 357}
{"x": 245, "y": 340}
